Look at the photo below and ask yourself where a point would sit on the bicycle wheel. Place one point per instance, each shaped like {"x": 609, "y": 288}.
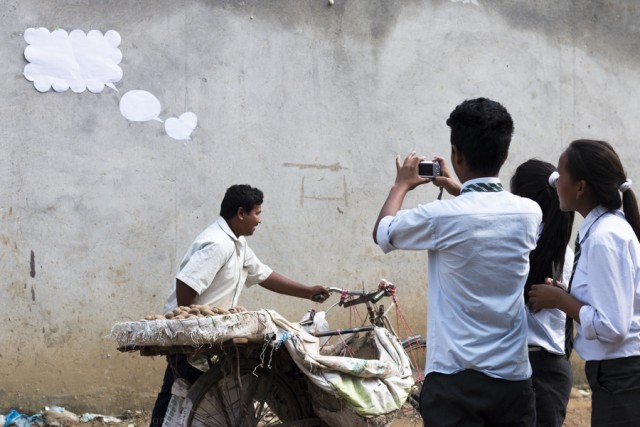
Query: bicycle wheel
{"x": 416, "y": 349}
{"x": 240, "y": 393}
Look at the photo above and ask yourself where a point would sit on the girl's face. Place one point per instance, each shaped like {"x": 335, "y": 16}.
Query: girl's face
{"x": 566, "y": 187}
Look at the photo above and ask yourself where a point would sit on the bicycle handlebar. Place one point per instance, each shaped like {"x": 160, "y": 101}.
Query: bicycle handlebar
{"x": 363, "y": 296}
{"x": 340, "y": 290}
{"x": 385, "y": 289}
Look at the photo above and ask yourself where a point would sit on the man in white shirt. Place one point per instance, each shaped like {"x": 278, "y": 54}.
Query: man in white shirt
{"x": 477, "y": 368}
{"x": 216, "y": 267}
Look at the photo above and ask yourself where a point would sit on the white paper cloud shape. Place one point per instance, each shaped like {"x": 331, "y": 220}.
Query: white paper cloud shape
{"x": 140, "y": 106}
{"x": 75, "y": 60}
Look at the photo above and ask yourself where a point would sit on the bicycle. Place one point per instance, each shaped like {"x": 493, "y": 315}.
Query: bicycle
{"x": 415, "y": 346}
{"x": 247, "y": 387}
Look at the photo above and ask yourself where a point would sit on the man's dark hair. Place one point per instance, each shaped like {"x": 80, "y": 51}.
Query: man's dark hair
{"x": 481, "y": 130}
{"x": 239, "y": 196}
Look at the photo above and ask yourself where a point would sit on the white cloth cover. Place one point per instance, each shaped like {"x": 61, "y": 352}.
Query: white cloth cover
{"x": 200, "y": 331}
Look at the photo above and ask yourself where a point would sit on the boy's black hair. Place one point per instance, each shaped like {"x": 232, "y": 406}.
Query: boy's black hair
{"x": 481, "y": 130}
{"x": 531, "y": 180}
{"x": 239, "y": 196}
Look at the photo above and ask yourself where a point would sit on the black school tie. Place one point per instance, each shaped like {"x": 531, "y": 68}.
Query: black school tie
{"x": 568, "y": 326}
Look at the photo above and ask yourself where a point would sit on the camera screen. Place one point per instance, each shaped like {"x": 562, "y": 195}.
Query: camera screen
{"x": 425, "y": 169}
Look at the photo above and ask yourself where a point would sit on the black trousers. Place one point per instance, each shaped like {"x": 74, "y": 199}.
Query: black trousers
{"x": 177, "y": 367}
{"x": 471, "y": 398}
{"x": 615, "y": 384}
{"x": 552, "y": 379}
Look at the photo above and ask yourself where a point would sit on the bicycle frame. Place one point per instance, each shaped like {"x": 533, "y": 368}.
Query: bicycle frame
{"x": 414, "y": 346}
{"x": 377, "y": 314}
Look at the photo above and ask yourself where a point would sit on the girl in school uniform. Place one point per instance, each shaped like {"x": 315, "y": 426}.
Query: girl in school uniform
{"x": 604, "y": 290}
{"x": 552, "y": 376}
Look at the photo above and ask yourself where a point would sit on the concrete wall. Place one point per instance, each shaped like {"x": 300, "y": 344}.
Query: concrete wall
{"x": 308, "y": 101}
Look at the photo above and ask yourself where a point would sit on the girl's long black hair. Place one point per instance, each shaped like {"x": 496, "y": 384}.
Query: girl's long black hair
{"x": 531, "y": 180}
{"x": 599, "y": 165}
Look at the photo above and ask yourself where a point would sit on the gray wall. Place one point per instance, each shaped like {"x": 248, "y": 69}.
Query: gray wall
{"x": 308, "y": 101}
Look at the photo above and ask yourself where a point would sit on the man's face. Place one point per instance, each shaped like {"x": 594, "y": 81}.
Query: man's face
{"x": 250, "y": 220}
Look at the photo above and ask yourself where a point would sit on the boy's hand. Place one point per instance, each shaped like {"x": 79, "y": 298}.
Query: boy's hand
{"x": 446, "y": 180}
{"x": 407, "y": 172}
{"x": 319, "y": 294}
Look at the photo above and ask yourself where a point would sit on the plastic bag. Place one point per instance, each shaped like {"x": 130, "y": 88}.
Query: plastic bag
{"x": 175, "y": 411}
{"x": 57, "y": 415}
{"x": 319, "y": 324}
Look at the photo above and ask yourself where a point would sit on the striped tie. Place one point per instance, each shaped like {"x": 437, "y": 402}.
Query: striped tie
{"x": 483, "y": 188}
{"x": 568, "y": 326}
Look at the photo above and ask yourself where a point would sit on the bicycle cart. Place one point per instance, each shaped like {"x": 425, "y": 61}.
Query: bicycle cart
{"x": 267, "y": 371}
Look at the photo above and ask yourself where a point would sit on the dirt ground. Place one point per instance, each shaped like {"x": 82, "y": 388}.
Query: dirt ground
{"x": 578, "y": 414}
{"x": 579, "y": 409}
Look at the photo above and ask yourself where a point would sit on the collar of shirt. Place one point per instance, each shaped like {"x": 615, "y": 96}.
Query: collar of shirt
{"x": 222, "y": 223}
{"x": 492, "y": 181}
{"x": 595, "y": 214}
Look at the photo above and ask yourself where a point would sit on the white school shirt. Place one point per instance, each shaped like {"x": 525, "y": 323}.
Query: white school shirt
{"x": 479, "y": 245}
{"x": 217, "y": 266}
{"x": 546, "y": 327}
{"x": 607, "y": 282}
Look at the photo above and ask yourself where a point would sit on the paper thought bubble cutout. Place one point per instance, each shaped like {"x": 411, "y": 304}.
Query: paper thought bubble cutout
{"x": 180, "y": 128}
{"x": 77, "y": 60}
{"x": 140, "y": 106}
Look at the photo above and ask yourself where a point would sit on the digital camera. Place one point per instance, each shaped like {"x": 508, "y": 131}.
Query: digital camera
{"x": 429, "y": 169}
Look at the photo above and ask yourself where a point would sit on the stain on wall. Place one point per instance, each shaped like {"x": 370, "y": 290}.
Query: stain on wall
{"x": 607, "y": 29}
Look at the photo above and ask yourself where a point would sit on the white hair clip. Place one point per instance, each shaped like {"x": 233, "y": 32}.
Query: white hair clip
{"x": 625, "y": 185}
{"x": 553, "y": 178}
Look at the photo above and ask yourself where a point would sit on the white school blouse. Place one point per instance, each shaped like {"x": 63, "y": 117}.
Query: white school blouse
{"x": 546, "y": 327}
{"x": 607, "y": 282}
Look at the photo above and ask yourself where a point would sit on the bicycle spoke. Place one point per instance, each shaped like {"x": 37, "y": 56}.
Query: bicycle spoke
{"x": 262, "y": 411}
{"x": 216, "y": 408}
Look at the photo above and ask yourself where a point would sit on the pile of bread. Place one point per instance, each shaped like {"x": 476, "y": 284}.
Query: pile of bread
{"x": 193, "y": 311}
